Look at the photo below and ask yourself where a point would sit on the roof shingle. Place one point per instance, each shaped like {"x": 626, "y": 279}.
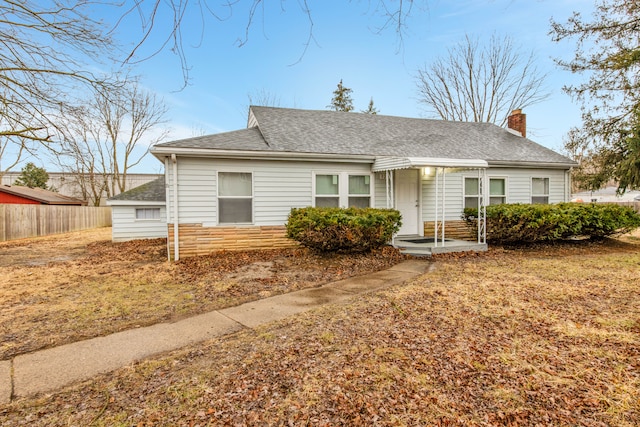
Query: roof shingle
{"x": 153, "y": 191}
{"x": 331, "y": 132}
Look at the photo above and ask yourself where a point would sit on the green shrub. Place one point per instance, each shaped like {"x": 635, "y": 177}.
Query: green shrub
{"x": 516, "y": 223}
{"x": 343, "y": 230}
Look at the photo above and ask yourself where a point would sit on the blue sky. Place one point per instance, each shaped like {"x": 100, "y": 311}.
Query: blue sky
{"x": 347, "y": 45}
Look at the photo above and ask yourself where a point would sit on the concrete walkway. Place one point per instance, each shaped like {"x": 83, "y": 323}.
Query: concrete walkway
{"x": 51, "y": 369}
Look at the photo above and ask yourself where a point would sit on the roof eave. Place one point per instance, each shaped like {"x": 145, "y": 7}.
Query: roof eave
{"x": 117, "y": 202}
{"x": 391, "y": 163}
{"x": 529, "y": 164}
{"x": 161, "y": 152}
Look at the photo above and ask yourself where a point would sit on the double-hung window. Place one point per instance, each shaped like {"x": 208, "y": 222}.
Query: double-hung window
{"x": 497, "y": 191}
{"x": 342, "y": 189}
{"x": 540, "y": 190}
{"x": 471, "y": 193}
{"x": 235, "y": 198}
{"x": 359, "y": 191}
{"x": 328, "y": 191}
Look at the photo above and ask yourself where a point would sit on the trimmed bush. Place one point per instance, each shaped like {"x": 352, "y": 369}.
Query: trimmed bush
{"x": 516, "y": 223}
{"x": 343, "y": 230}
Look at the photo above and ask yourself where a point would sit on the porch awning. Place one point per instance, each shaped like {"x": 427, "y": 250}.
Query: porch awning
{"x": 392, "y": 163}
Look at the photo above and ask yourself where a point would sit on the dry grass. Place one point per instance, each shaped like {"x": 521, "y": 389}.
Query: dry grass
{"x": 540, "y": 336}
{"x": 65, "y": 288}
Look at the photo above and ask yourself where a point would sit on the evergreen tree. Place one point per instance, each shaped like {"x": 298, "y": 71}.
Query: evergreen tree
{"x": 33, "y": 177}
{"x": 608, "y": 52}
{"x": 371, "y": 109}
{"x": 341, "y": 100}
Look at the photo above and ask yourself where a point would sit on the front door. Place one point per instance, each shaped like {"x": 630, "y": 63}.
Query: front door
{"x": 408, "y": 200}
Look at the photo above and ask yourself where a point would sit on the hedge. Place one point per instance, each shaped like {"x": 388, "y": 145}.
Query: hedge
{"x": 518, "y": 223}
{"x": 342, "y": 230}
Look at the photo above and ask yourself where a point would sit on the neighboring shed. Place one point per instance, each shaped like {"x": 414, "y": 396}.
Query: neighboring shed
{"x": 19, "y": 195}
{"x": 139, "y": 213}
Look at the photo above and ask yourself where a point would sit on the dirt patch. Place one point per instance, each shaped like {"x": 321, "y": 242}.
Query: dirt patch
{"x": 56, "y": 248}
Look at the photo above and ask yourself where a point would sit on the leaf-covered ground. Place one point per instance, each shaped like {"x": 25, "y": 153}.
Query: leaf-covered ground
{"x": 70, "y": 287}
{"x": 545, "y": 336}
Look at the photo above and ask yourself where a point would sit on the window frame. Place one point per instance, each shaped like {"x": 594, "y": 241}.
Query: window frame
{"x": 315, "y": 194}
{"x": 486, "y": 197}
{"x": 505, "y": 196}
{"x": 547, "y": 180}
{"x": 466, "y": 196}
{"x": 343, "y": 195}
{"x": 146, "y": 209}
{"x": 218, "y": 197}
{"x": 360, "y": 195}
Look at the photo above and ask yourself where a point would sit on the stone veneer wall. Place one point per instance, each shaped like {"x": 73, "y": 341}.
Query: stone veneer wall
{"x": 198, "y": 240}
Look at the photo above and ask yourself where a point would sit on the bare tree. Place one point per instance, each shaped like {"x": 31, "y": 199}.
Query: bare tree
{"x": 44, "y": 48}
{"x": 47, "y": 48}
{"x": 481, "y": 84}
{"x": 262, "y": 98}
{"x": 102, "y": 141}
{"x": 170, "y": 31}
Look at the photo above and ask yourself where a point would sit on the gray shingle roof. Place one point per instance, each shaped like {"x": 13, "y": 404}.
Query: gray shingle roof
{"x": 331, "y": 132}
{"x": 153, "y": 191}
{"x": 245, "y": 139}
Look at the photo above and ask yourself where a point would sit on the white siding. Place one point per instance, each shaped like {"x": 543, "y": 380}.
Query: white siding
{"x": 453, "y": 199}
{"x": 278, "y": 186}
{"x": 127, "y": 227}
{"x": 519, "y": 183}
{"x": 518, "y": 188}
{"x": 380, "y": 190}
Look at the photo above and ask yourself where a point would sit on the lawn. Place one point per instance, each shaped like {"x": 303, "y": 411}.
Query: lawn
{"x": 65, "y": 288}
{"x": 545, "y": 335}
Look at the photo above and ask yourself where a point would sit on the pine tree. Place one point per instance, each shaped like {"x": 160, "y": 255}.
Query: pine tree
{"x": 371, "y": 109}
{"x": 608, "y": 55}
{"x": 341, "y": 100}
{"x": 33, "y": 177}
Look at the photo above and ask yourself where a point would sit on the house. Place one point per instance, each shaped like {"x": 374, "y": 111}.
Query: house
{"x": 139, "y": 213}
{"x": 17, "y": 194}
{"x": 234, "y": 190}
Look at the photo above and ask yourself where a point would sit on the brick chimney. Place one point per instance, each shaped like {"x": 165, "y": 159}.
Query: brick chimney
{"x": 518, "y": 122}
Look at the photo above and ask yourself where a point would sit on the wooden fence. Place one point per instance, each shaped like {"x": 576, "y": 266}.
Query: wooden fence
{"x": 20, "y": 221}
{"x": 632, "y": 204}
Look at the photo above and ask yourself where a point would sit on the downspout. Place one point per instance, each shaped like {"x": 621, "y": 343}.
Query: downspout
{"x": 167, "y": 194}
{"x": 435, "y": 223}
{"x": 176, "y": 237}
{"x": 444, "y": 200}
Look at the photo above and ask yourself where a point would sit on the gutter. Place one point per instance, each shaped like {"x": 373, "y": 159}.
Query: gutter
{"x": 567, "y": 165}
{"x": 161, "y": 152}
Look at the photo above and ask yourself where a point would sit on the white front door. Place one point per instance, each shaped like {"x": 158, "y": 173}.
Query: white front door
{"x": 408, "y": 200}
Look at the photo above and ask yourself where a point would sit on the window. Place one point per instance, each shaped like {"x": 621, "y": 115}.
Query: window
{"x": 327, "y": 191}
{"x": 342, "y": 189}
{"x": 471, "y": 193}
{"x": 497, "y": 191}
{"x": 359, "y": 191}
{"x": 235, "y": 198}
{"x": 147, "y": 213}
{"x": 540, "y": 190}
